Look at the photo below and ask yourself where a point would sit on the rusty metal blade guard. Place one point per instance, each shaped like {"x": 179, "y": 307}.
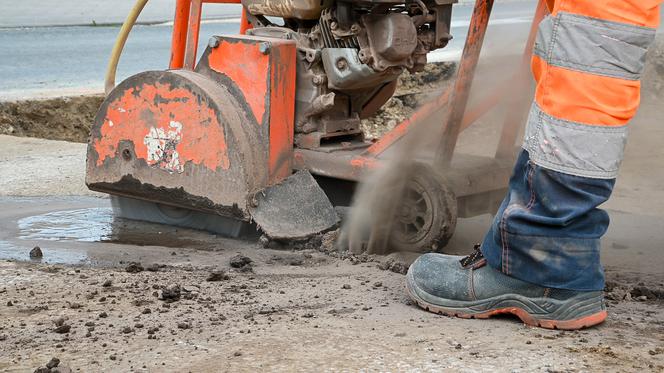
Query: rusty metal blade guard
{"x": 295, "y": 208}
{"x": 178, "y": 138}
{"x": 209, "y": 139}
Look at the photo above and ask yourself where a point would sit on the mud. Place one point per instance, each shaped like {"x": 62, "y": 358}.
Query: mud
{"x": 97, "y": 224}
{"x": 66, "y": 118}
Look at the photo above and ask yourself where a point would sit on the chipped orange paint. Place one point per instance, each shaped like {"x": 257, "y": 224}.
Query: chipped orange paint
{"x": 133, "y": 115}
{"x": 364, "y": 163}
{"x": 244, "y": 64}
{"x": 282, "y": 109}
{"x": 179, "y": 39}
{"x": 267, "y": 82}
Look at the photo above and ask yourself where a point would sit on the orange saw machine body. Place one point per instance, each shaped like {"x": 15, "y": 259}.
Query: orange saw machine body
{"x": 265, "y": 126}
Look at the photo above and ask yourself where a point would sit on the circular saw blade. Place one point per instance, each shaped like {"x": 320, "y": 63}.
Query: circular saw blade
{"x": 135, "y": 209}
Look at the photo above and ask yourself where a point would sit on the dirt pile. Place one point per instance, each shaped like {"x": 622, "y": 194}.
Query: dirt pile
{"x": 625, "y": 288}
{"x": 67, "y": 118}
{"x": 412, "y": 91}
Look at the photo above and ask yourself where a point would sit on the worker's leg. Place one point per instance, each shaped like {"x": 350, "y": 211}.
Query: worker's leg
{"x": 587, "y": 62}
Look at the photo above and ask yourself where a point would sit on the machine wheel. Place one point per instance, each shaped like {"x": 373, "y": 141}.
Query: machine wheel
{"x": 426, "y": 219}
{"x": 135, "y": 209}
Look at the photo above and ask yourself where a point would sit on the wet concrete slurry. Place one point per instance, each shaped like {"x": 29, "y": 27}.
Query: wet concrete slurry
{"x": 82, "y": 230}
{"x": 313, "y": 310}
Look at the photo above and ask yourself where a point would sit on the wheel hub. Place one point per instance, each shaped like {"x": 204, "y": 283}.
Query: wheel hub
{"x": 416, "y": 214}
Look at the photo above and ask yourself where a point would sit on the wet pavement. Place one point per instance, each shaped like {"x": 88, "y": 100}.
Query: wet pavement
{"x": 83, "y": 231}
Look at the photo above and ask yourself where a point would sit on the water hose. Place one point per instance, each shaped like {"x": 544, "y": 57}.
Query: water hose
{"x": 109, "y": 81}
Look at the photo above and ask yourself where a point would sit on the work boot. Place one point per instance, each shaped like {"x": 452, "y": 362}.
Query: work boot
{"x": 467, "y": 287}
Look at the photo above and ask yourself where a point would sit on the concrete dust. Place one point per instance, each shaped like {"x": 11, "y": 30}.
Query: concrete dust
{"x": 379, "y": 203}
{"x": 653, "y": 76}
{"x": 37, "y": 167}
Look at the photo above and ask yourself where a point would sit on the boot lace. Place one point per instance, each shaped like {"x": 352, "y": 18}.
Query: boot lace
{"x": 473, "y": 258}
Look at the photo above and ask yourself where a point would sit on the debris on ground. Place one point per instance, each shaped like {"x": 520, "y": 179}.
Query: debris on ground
{"x": 170, "y": 293}
{"x": 217, "y": 275}
{"x": 155, "y": 267}
{"x": 328, "y": 241}
{"x": 627, "y": 291}
{"x": 319, "y": 302}
{"x": 240, "y": 261}
{"x": 36, "y": 253}
{"x": 134, "y": 267}
{"x": 62, "y": 329}
{"x": 54, "y": 362}
{"x": 398, "y": 262}
{"x": 53, "y": 366}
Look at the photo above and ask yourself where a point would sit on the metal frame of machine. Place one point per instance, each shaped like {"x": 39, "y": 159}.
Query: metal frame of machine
{"x": 473, "y": 179}
{"x": 258, "y": 145}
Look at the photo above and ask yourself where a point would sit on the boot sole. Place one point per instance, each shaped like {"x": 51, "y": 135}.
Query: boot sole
{"x": 527, "y": 318}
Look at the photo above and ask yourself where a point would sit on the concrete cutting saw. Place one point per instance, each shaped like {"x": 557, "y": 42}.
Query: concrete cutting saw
{"x": 264, "y": 126}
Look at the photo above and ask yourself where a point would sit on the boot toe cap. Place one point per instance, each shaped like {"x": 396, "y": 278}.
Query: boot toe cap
{"x": 438, "y": 276}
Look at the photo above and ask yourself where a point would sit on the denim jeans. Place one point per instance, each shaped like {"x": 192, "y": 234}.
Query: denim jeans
{"x": 547, "y": 230}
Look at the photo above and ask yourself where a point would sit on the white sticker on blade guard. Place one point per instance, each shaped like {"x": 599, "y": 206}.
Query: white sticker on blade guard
{"x": 162, "y": 145}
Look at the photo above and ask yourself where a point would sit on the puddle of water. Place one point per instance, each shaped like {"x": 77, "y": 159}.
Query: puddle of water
{"x": 87, "y": 225}
{"x": 99, "y": 225}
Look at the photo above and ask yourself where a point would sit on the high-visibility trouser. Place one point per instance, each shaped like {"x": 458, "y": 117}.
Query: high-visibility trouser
{"x": 587, "y": 62}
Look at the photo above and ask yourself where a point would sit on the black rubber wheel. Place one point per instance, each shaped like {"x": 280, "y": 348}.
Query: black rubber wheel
{"x": 426, "y": 218}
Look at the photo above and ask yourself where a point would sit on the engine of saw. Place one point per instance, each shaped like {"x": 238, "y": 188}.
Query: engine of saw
{"x": 218, "y": 136}
{"x": 350, "y": 54}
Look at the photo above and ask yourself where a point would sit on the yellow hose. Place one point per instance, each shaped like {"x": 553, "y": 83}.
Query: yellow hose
{"x": 109, "y": 81}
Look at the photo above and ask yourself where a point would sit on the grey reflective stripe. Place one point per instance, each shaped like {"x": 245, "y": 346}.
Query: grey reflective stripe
{"x": 593, "y": 45}
{"x": 574, "y": 148}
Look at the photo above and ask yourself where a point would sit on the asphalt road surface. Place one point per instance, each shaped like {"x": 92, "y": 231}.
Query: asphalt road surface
{"x": 60, "y": 60}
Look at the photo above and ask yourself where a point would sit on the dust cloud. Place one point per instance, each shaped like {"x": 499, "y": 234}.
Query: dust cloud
{"x": 379, "y": 200}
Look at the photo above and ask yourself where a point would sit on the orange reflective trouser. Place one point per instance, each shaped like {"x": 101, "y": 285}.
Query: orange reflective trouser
{"x": 587, "y": 61}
